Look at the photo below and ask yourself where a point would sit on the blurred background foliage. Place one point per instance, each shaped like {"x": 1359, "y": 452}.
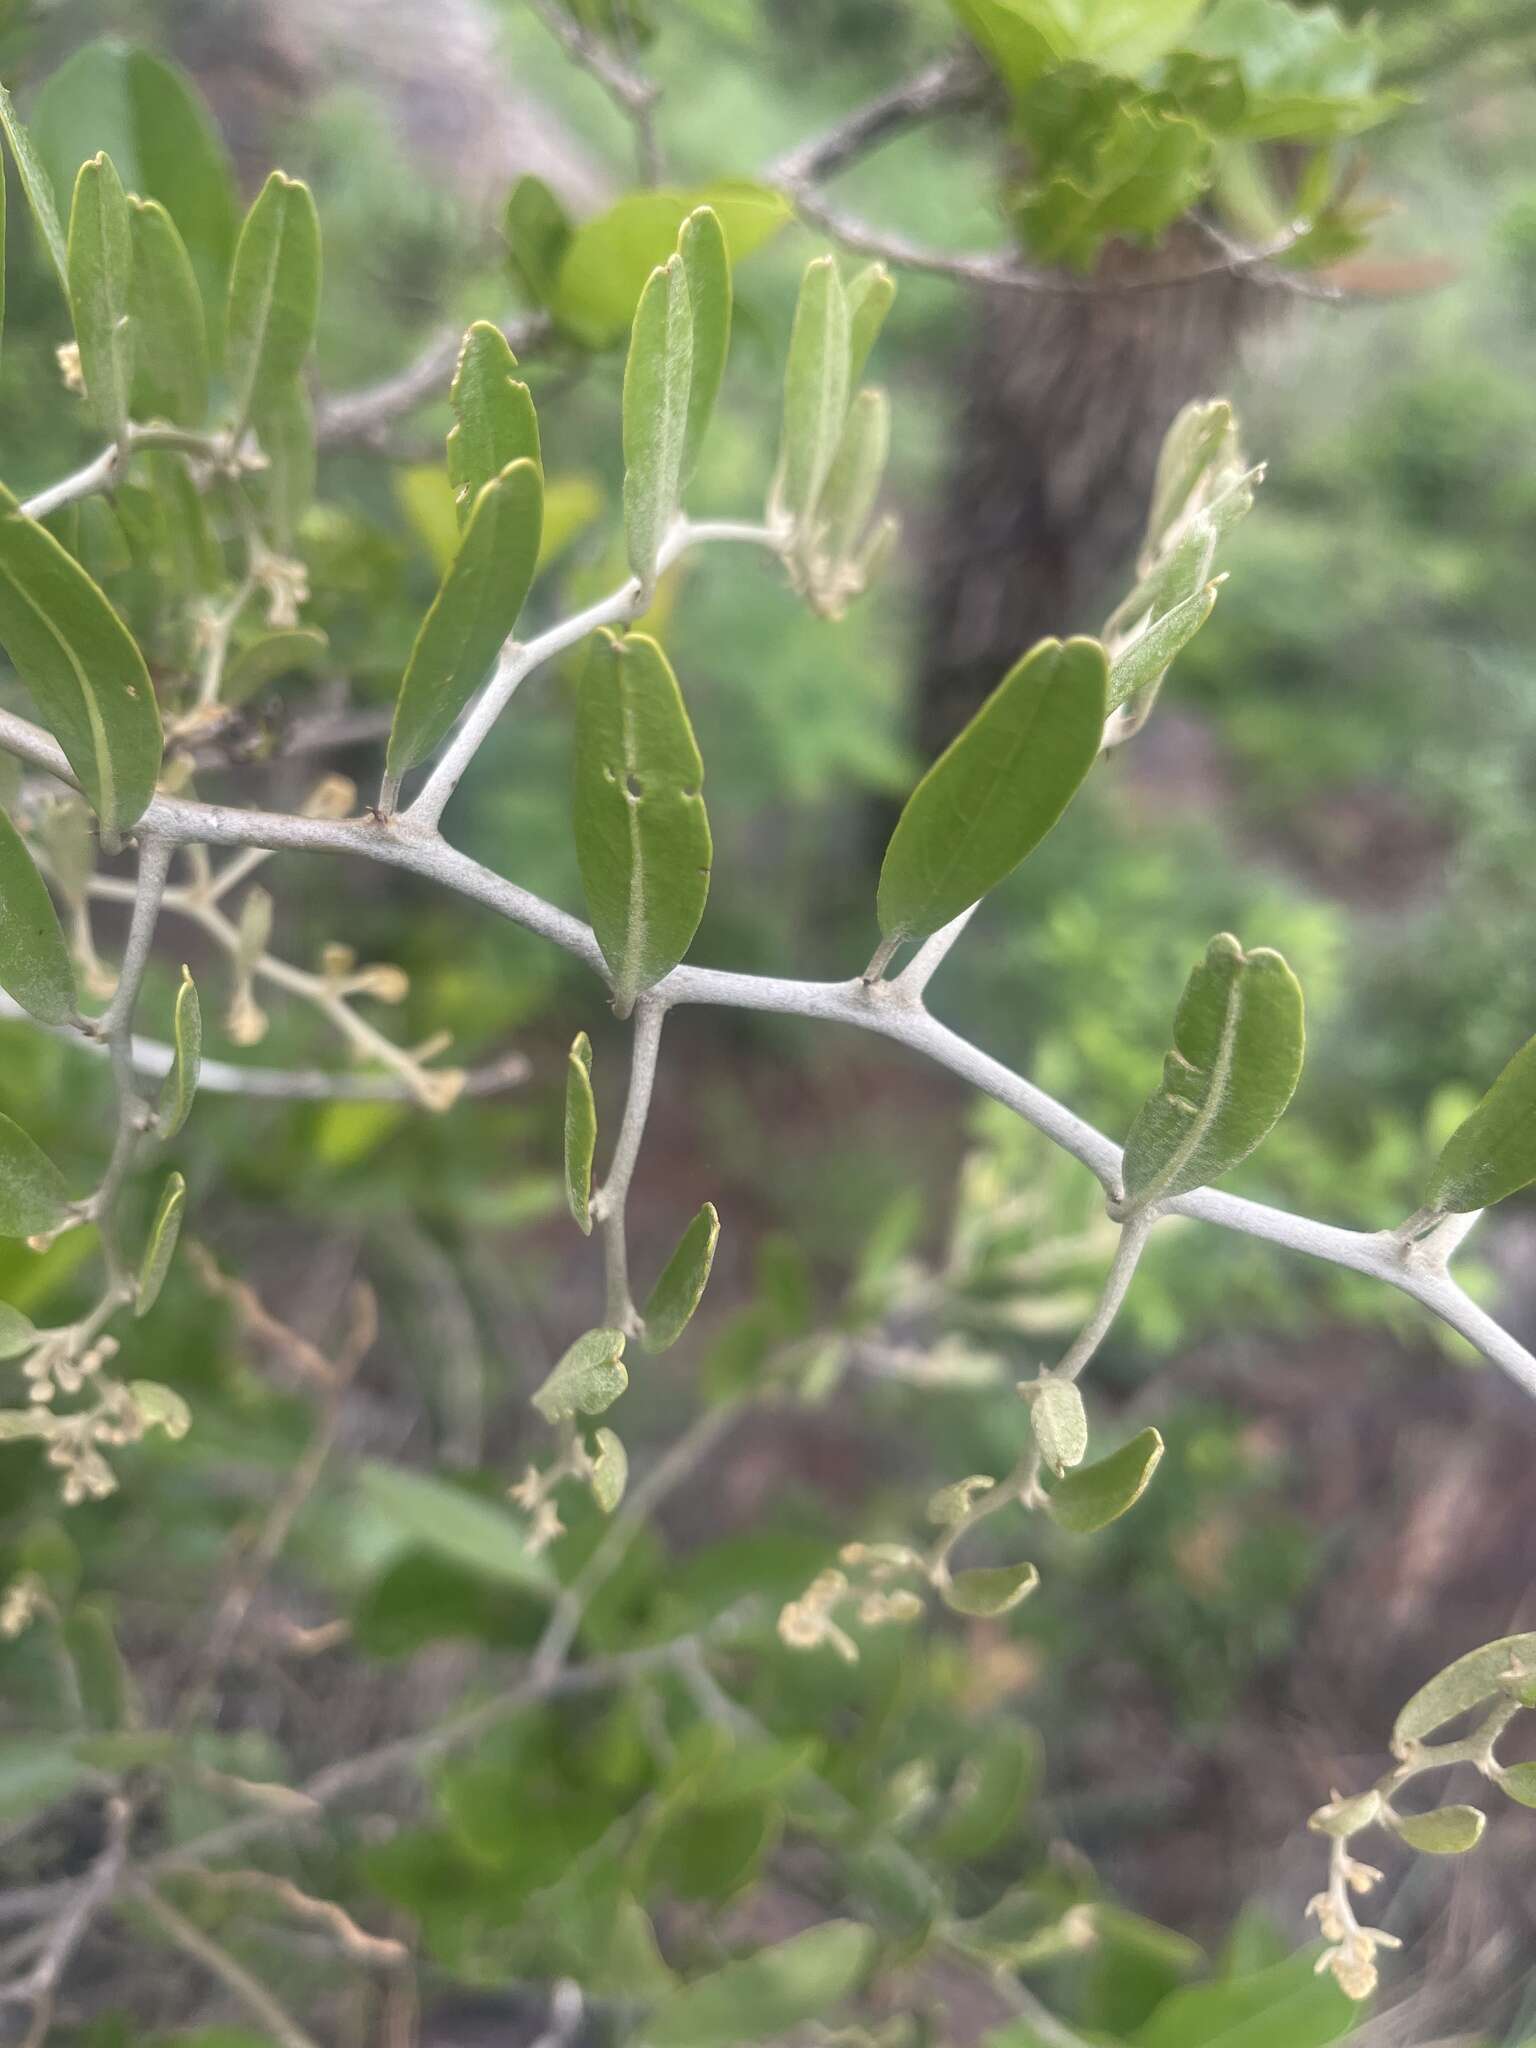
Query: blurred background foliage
{"x": 1342, "y": 767}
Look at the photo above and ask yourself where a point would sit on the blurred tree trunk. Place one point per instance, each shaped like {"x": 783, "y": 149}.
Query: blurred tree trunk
{"x": 1066, "y": 401}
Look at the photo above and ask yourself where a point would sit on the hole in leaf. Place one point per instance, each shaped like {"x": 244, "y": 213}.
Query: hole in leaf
{"x": 634, "y": 787}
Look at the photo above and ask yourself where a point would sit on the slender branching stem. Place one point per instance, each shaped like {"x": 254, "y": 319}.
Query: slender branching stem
{"x": 611, "y": 1200}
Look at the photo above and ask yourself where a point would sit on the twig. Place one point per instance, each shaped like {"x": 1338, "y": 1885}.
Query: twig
{"x": 378, "y": 1951}
{"x": 677, "y": 1464}
{"x": 609, "y": 1202}
{"x": 1380, "y": 1253}
{"x": 86, "y": 1899}
{"x": 634, "y": 95}
{"x": 219, "y": 1963}
{"x": 519, "y": 659}
{"x": 153, "y": 1060}
{"x": 948, "y": 86}
{"x": 363, "y": 414}
{"x": 219, "y": 1639}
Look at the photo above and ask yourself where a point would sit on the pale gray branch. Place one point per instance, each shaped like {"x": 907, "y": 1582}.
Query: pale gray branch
{"x": 879, "y": 1008}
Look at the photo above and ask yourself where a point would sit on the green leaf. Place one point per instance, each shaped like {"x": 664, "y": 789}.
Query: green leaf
{"x": 81, "y": 666}
{"x": 989, "y": 1792}
{"x": 642, "y": 833}
{"x": 35, "y": 1771}
{"x": 1149, "y": 656}
{"x": 580, "y": 1132}
{"x": 274, "y": 294}
{"x": 657, "y": 378}
{"x": 1238, "y": 1035}
{"x": 160, "y": 1246}
{"x": 37, "y": 187}
{"x": 35, "y": 965}
{"x": 292, "y": 650}
{"x": 17, "y": 1333}
{"x": 990, "y": 1589}
{"x": 1447, "y": 1831}
{"x": 589, "y": 1378}
{"x": 1201, "y": 440}
{"x": 871, "y": 294}
{"x": 608, "y": 259}
{"x": 707, "y": 263}
{"x": 1285, "y": 2006}
{"x": 170, "y": 342}
{"x": 1096, "y": 1495}
{"x": 494, "y": 420}
{"x": 816, "y": 388}
{"x": 285, "y": 426}
{"x": 1023, "y": 38}
{"x": 180, "y": 1083}
{"x": 538, "y": 231}
{"x": 1489, "y": 1673}
{"x": 439, "y": 1516}
{"x": 681, "y": 1287}
{"x": 160, "y": 1408}
{"x": 474, "y": 612}
{"x": 853, "y": 482}
{"x": 1493, "y": 1153}
{"x": 610, "y": 1471}
{"x": 2, "y": 247}
{"x": 1519, "y": 1781}
{"x": 1060, "y": 1423}
{"x": 1305, "y": 72}
{"x": 32, "y": 1197}
{"x": 1148, "y": 166}
{"x": 100, "y": 254}
{"x": 150, "y": 118}
{"x": 951, "y": 1504}
{"x": 997, "y": 789}
{"x": 768, "y": 1993}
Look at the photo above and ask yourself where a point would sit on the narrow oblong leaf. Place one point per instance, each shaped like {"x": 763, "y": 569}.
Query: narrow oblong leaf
{"x": 853, "y": 483}
{"x": 1202, "y": 435}
{"x": 871, "y": 294}
{"x": 37, "y": 188}
{"x": 707, "y": 263}
{"x": 1239, "y": 1036}
{"x": 494, "y": 422}
{"x": 580, "y": 1132}
{"x": 1060, "y": 1423}
{"x": 589, "y": 1378}
{"x": 170, "y": 340}
{"x": 1447, "y": 1831}
{"x": 100, "y": 255}
{"x": 290, "y": 650}
{"x": 32, "y": 1197}
{"x": 437, "y": 1515}
{"x": 610, "y": 1471}
{"x": 150, "y": 117}
{"x": 284, "y": 420}
{"x": 817, "y": 380}
{"x": 642, "y": 833}
{"x": 1150, "y": 655}
{"x": 180, "y": 1084}
{"x": 81, "y": 666}
{"x": 1493, "y": 1152}
{"x": 1095, "y": 1495}
{"x": 990, "y": 1589}
{"x": 770, "y": 1992}
{"x": 474, "y": 612}
{"x": 160, "y": 1245}
{"x": 538, "y": 231}
{"x": 997, "y": 789}
{"x": 1493, "y": 1671}
{"x": 681, "y": 1287}
{"x": 657, "y": 378}
{"x": 274, "y": 293}
{"x": 35, "y": 965}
